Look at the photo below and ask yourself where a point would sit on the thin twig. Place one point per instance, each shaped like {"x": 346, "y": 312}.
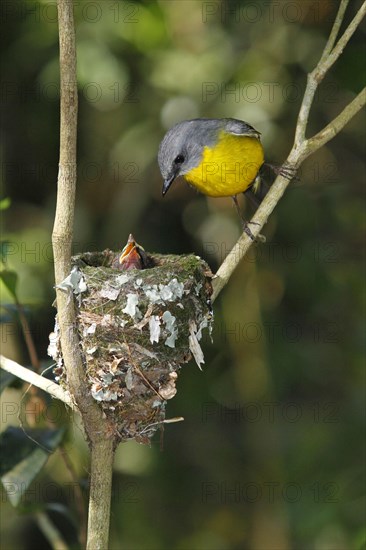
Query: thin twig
{"x": 335, "y": 29}
{"x": 36, "y": 380}
{"x": 28, "y": 337}
{"x": 336, "y": 125}
{"x": 327, "y": 59}
{"x": 326, "y": 63}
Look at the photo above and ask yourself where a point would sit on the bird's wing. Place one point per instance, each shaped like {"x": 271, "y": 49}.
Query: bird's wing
{"x": 240, "y": 128}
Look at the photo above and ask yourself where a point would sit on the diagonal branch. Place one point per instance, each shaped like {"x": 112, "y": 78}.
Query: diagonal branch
{"x": 36, "y": 380}
{"x": 244, "y": 242}
{"x": 295, "y": 158}
{"x": 302, "y": 148}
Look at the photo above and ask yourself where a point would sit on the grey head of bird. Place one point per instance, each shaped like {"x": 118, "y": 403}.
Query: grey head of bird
{"x": 183, "y": 145}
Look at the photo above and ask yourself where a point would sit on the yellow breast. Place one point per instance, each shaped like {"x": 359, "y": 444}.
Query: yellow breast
{"x": 229, "y": 167}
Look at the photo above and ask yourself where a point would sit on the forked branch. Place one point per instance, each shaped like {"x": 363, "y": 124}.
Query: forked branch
{"x": 302, "y": 147}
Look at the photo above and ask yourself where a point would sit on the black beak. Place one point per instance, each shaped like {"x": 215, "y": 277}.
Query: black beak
{"x": 167, "y": 183}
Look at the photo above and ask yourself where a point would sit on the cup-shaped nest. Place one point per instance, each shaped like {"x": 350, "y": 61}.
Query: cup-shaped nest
{"x": 136, "y": 329}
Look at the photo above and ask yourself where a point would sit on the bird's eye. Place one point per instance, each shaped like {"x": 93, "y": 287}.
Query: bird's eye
{"x": 179, "y": 159}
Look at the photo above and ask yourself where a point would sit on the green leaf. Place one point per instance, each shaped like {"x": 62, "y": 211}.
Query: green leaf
{"x": 5, "y": 203}
{"x": 10, "y": 279}
{"x": 23, "y": 458}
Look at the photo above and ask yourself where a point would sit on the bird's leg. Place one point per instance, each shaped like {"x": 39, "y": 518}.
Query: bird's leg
{"x": 235, "y": 199}
{"x": 245, "y": 224}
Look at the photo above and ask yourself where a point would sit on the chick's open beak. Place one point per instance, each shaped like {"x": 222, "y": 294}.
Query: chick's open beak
{"x": 133, "y": 256}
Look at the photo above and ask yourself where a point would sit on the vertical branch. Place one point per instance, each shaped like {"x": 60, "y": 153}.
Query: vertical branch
{"x": 96, "y": 426}
{"x": 64, "y": 221}
{"x": 79, "y": 497}
{"x": 64, "y": 217}
{"x": 99, "y": 507}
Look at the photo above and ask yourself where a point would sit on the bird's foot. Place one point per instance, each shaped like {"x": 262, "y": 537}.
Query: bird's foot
{"x": 258, "y": 238}
{"x": 285, "y": 170}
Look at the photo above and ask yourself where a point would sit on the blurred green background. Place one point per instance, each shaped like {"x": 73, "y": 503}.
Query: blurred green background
{"x": 270, "y": 455}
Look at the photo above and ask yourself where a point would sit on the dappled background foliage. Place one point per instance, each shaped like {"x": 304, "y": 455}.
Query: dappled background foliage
{"x": 269, "y": 454}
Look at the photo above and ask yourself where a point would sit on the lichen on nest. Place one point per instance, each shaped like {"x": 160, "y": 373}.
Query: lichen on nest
{"x": 136, "y": 329}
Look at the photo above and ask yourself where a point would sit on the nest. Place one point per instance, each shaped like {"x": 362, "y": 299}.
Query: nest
{"x": 137, "y": 328}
